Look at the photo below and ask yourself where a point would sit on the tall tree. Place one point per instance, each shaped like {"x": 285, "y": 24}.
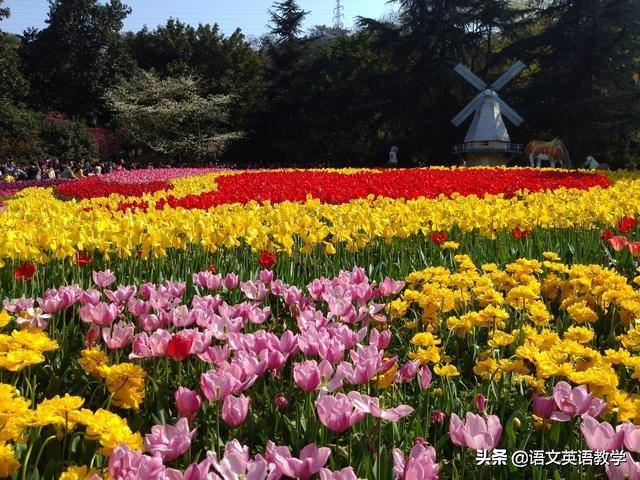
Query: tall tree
{"x": 585, "y": 55}
{"x": 171, "y": 118}
{"x": 286, "y": 20}
{"x": 4, "y": 11}
{"x": 77, "y": 57}
{"x": 277, "y": 126}
{"x": 12, "y": 82}
{"x": 223, "y": 64}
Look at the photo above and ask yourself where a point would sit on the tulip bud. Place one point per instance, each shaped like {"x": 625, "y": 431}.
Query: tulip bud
{"x": 281, "y": 401}
{"x": 517, "y": 423}
{"x": 438, "y": 392}
{"x": 438, "y": 417}
{"x": 481, "y": 402}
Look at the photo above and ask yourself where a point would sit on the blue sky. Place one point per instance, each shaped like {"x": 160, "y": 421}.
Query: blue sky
{"x": 250, "y": 15}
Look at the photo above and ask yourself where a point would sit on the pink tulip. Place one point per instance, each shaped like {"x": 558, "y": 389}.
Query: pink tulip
{"x": 380, "y": 340}
{"x": 33, "y": 318}
{"x": 311, "y": 460}
{"x": 217, "y": 385}
{"x": 174, "y": 290}
{"x": 101, "y": 314}
{"x": 235, "y": 410}
{"x": 208, "y": 280}
{"x": 543, "y": 407}
{"x": 254, "y": 290}
{"x": 127, "y": 464}
{"x": 337, "y": 412}
{"x": 570, "y": 402}
{"x": 476, "y": 432}
{"x": 371, "y": 405}
{"x": 231, "y": 281}
{"x": 121, "y": 295}
{"x": 631, "y": 436}
{"x": 600, "y": 436}
{"x": 425, "y": 377}
{"x": 119, "y": 337}
{"x": 407, "y": 372}
{"x": 236, "y": 464}
{"x": 169, "y": 441}
{"x": 17, "y": 305}
{"x": 103, "y": 279}
{"x": 138, "y": 307}
{"x": 634, "y": 248}
{"x": 266, "y": 276}
{"x": 597, "y": 407}
{"x": 188, "y": 402}
{"x": 71, "y": 294}
{"x": 367, "y": 363}
{"x": 344, "y": 474}
{"x": 421, "y": 464}
{"x": 195, "y": 471}
{"x": 629, "y": 469}
{"x": 331, "y": 350}
{"x": 308, "y": 375}
{"x": 145, "y": 346}
{"x": 181, "y": 317}
{"x": 90, "y": 296}
{"x": 390, "y": 287}
{"x": 52, "y": 302}
{"x": 618, "y": 243}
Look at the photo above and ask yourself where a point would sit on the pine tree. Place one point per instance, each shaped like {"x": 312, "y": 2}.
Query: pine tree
{"x": 279, "y": 123}
{"x": 4, "y": 11}
{"x": 286, "y": 20}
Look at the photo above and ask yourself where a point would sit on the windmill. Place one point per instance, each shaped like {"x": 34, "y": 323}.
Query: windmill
{"x": 487, "y": 142}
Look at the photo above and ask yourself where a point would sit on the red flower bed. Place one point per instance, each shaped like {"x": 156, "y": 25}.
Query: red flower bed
{"x": 333, "y": 187}
{"x": 92, "y": 187}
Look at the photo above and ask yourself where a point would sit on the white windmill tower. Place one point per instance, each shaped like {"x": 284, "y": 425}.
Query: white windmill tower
{"x": 487, "y": 142}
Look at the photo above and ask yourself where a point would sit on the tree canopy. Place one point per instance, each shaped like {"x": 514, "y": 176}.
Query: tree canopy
{"x": 334, "y": 96}
{"x": 170, "y": 117}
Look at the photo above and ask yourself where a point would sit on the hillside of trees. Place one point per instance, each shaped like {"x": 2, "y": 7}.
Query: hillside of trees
{"x": 184, "y": 94}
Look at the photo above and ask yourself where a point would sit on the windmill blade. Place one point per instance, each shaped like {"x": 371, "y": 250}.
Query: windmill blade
{"x": 471, "y": 107}
{"x": 470, "y": 77}
{"x": 510, "y": 113}
{"x": 507, "y": 76}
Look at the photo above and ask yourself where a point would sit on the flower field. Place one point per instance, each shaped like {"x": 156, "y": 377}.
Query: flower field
{"x": 416, "y": 324}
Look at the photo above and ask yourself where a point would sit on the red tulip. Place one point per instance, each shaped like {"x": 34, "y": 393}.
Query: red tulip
{"x": 25, "y": 272}
{"x": 267, "y": 259}
{"x": 607, "y": 234}
{"x": 626, "y": 224}
{"x": 212, "y": 268}
{"x": 520, "y": 234}
{"x": 439, "y": 237}
{"x": 178, "y": 347}
{"x": 335, "y": 188}
{"x": 83, "y": 258}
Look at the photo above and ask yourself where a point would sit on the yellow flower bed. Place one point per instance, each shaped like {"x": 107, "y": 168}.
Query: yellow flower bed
{"x": 533, "y": 322}
{"x": 39, "y": 227}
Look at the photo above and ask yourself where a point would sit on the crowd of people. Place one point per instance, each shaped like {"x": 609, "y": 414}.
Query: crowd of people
{"x": 52, "y": 169}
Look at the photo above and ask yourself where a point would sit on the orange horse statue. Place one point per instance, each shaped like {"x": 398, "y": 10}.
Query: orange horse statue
{"x": 553, "y": 152}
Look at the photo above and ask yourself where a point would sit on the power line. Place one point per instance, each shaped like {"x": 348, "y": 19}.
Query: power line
{"x": 338, "y": 15}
